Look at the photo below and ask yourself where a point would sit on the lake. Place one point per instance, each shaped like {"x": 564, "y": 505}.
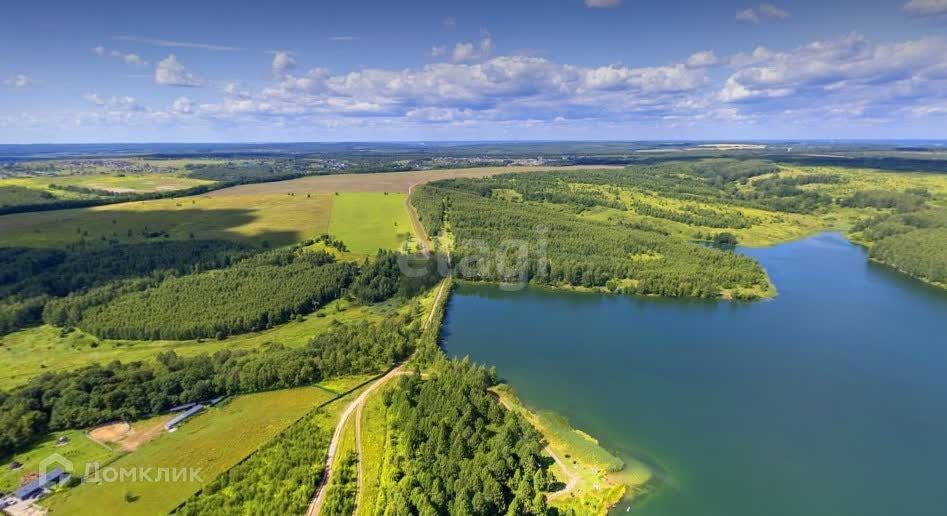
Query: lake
{"x": 830, "y": 399}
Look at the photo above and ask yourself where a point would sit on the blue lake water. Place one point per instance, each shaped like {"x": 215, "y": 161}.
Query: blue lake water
{"x": 830, "y": 399}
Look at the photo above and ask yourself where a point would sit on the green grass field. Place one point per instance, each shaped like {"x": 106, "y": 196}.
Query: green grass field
{"x": 364, "y": 221}
{"x": 367, "y": 222}
{"x": 213, "y": 442}
{"x": 33, "y": 351}
{"x": 80, "y": 450}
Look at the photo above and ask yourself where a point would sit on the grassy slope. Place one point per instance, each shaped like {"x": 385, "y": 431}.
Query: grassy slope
{"x": 213, "y": 441}
{"x": 42, "y": 349}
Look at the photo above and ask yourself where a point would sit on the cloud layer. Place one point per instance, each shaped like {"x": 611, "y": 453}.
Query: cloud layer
{"x": 471, "y": 87}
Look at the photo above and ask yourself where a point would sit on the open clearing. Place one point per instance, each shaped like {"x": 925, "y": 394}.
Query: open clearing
{"x": 211, "y": 443}
{"x": 129, "y": 437}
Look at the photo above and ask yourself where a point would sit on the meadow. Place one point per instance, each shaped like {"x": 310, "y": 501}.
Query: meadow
{"x": 212, "y": 442}
{"x": 369, "y": 221}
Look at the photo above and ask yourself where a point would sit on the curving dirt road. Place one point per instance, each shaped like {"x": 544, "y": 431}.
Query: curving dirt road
{"x": 356, "y": 406}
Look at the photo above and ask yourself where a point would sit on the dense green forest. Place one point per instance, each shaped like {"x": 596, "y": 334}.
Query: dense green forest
{"x": 31, "y": 278}
{"x": 253, "y": 295}
{"x": 457, "y": 451}
{"x": 131, "y": 391}
{"x": 505, "y": 241}
{"x": 913, "y": 242}
{"x": 279, "y": 478}
{"x": 248, "y": 171}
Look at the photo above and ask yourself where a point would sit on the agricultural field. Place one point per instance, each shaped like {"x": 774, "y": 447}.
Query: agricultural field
{"x": 275, "y": 220}
{"x": 367, "y": 222}
{"x": 364, "y": 221}
{"x": 46, "y": 348}
{"x": 113, "y": 183}
{"x": 213, "y": 441}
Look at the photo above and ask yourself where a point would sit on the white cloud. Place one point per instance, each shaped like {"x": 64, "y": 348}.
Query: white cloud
{"x": 176, "y": 44}
{"x": 772, "y": 12}
{"x": 170, "y": 72}
{"x": 848, "y": 67}
{"x": 130, "y": 58}
{"x": 470, "y": 52}
{"x": 19, "y": 81}
{"x": 439, "y": 51}
{"x": 283, "y": 62}
{"x": 449, "y": 22}
{"x": 343, "y": 38}
{"x": 765, "y": 12}
{"x": 122, "y": 104}
{"x": 602, "y": 3}
{"x": 703, "y": 59}
{"x": 183, "y": 105}
{"x": 748, "y": 15}
{"x": 926, "y": 8}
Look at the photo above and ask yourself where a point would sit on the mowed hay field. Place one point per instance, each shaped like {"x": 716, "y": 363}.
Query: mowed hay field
{"x": 212, "y": 442}
{"x": 369, "y": 221}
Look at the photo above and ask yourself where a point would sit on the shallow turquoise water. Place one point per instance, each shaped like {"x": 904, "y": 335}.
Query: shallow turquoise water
{"x": 829, "y": 400}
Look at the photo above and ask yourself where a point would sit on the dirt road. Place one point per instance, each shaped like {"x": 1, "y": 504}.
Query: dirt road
{"x": 356, "y": 407}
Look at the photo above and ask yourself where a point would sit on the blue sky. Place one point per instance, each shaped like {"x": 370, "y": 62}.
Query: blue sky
{"x": 327, "y": 70}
